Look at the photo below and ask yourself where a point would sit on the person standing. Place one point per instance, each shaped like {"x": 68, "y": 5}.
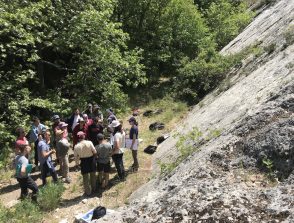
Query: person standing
{"x": 21, "y": 140}
{"x": 73, "y": 120}
{"x": 85, "y": 152}
{"x": 55, "y": 127}
{"x": 104, "y": 151}
{"x": 62, "y": 151}
{"x": 36, "y": 130}
{"x": 97, "y": 112}
{"x": 44, "y": 156}
{"x": 80, "y": 127}
{"x": 88, "y": 121}
{"x": 22, "y": 174}
{"x": 111, "y": 116}
{"x": 89, "y": 111}
{"x": 134, "y": 144}
{"x": 94, "y": 130}
{"x": 117, "y": 154}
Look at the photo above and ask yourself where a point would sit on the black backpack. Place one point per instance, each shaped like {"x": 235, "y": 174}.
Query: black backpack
{"x": 150, "y": 149}
{"x": 98, "y": 212}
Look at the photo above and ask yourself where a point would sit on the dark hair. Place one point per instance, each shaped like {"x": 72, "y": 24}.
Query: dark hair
{"x": 44, "y": 132}
{"x": 117, "y": 129}
{"x": 22, "y": 148}
{"x": 35, "y": 118}
{"x": 19, "y": 130}
{"x": 100, "y": 136}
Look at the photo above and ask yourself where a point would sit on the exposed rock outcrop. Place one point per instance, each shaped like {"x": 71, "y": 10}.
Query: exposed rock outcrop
{"x": 228, "y": 178}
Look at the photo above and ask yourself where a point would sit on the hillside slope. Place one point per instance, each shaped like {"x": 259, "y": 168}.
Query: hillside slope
{"x": 227, "y": 178}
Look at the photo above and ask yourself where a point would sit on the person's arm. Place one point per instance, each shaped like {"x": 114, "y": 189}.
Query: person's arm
{"x": 93, "y": 149}
{"x": 46, "y": 154}
{"x": 134, "y": 136}
{"x": 76, "y": 155}
{"x": 115, "y": 144}
{"x": 133, "y": 141}
{"x": 23, "y": 170}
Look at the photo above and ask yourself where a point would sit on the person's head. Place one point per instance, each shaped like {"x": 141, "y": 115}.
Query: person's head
{"x": 47, "y": 135}
{"x": 116, "y": 126}
{"x": 96, "y": 107}
{"x": 109, "y": 111}
{"x": 81, "y": 135}
{"x": 20, "y": 132}
{"x": 59, "y": 134}
{"x": 81, "y": 122}
{"x": 36, "y": 121}
{"x": 56, "y": 119}
{"x": 96, "y": 120}
{"x": 85, "y": 117}
{"x": 62, "y": 126}
{"x": 25, "y": 149}
{"x": 100, "y": 137}
{"x": 132, "y": 121}
{"x": 76, "y": 111}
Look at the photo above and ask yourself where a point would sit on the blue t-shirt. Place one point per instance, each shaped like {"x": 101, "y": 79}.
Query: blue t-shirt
{"x": 19, "y": 161}
{"x": 35, "y": 131}
{"x": 43, "y": 146}
{"x": 134, "y": 130}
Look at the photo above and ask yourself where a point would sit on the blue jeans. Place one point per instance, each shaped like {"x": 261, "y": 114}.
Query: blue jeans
{"x": 119, "y": 165}
{"x": 45, "y": 170}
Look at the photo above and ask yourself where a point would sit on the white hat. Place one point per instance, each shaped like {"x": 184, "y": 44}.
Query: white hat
{"x": 114, "y": 124}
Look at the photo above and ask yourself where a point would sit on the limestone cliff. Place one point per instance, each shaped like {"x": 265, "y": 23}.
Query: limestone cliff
{"x": 226, "y": 179}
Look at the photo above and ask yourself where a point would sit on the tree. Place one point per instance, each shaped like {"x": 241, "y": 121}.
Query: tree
{"x": 54, "y": 54}
{"x": 225, "y": 20}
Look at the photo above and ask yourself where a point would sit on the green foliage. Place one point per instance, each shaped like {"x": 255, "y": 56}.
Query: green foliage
{"x": 213, "y": 133}
{"x": 185, "y": 146}
{"x": 166, "y": 30}
{"x": 58, "y": 54}
{"x": 199, "y": 76}
{"x": 25, "y": 211}
{"x": 49, "y": 196}
{"x": 269, "y": 165}
{"x": 226, "y": 20}
{"x": 270, "y": 48}
{"x": 289, "y": 35}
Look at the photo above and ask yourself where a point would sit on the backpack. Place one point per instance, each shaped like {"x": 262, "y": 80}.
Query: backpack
{"x": 150, "y": 149}
{"x": 98, "y": 212}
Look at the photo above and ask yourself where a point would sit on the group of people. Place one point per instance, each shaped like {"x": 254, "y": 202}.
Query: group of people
{"x": 96, "y": 142}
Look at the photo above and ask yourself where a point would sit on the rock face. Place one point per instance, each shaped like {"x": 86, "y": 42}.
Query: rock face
{"x": 244, "y": 174}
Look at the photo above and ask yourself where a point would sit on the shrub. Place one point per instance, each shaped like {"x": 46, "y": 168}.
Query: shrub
{"x": 50, "y": 196}
{"x": 289, "y": 35}
{"x": 270, "y": 48}
{"x": 25, "y": 211}
{"x": 185, "y": 146}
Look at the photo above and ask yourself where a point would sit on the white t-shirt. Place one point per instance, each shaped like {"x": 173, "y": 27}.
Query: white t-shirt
{"x": 118, "y": 137}
{"x": 75, "y": 121}
{"x": 123, "y": 142}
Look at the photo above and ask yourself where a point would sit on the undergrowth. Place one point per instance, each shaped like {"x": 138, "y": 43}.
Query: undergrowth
{"x": 24, "y": 211}
{"x": 187, "y": 145}
{"x": 49, "y": 196}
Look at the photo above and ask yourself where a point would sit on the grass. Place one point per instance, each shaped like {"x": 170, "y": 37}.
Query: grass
{"x": 49, "y": 196}
{"x": 118, "y": 194}
{"x": 187, "y": 145}
{"x": 25, "y": 211}
{"x": 289, "y": 35}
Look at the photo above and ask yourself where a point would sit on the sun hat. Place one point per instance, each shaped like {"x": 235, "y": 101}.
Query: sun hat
{"x": 81, "y": 134}
{"x": 114, "y": 124}
{"x": 55, "y": 117}
{"x": 62, "y": 125}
